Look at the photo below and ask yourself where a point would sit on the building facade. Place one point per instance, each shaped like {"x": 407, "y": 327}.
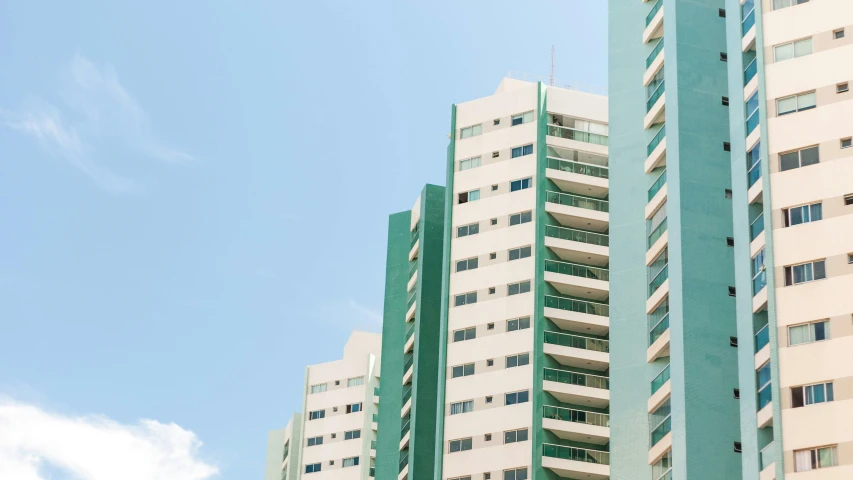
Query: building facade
{"x": 410, "y": 340}
{"x": 675, "y": 412}
{"x": 283, "y": 445}
{"x": 525, "y": 351}
{"x": 791, "y": 121}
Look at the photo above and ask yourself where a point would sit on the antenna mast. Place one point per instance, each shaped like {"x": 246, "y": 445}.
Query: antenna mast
{"x": 552, "y": 66}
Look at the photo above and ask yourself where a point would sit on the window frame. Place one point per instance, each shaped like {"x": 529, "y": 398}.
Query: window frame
{"x": 793, "y": 44}
{"x": 515, "y": 434}
{"x": 522, "y": 253}
{"x": 470, "y": 161}
{"x": 523, "y": 217}
{"x": 320, "y": 388}
{"x": 519, "y": 321}
{"x": 352, "y": 434}
{"x": 468, "y": 298}
{"x": 469, "y": 196}
{"x": 522, "y": 287}
{"x": 466, "y": 406}
{"x": 462, "y": 443}
{"x": 465, "y": 332}
{"x": 463, "y": 369}
{"x": 314, "y": 441}
{"x": 467, "y": 264}
{"x": 799, "y": 153}
{"x": 791, "y": 272}
{"x": 359, "y": 380}
{"x": 314, "y": 467}
{"x": 317, "y": 415}
{"x": 467, "y": 228}
{"x": 797, "y": 98}
{"x": 476, "y": 130}
{"x": 521, "y": 151}
{"x": 513, "y": 474}
{"x": 809, "y": 213}
{"x": 520, "y": 184}
{"x": 813, "y": 332}
{"x": 353, "y": 462}
{"x": 517, "y": 395}
{"x": 523, "y": 117}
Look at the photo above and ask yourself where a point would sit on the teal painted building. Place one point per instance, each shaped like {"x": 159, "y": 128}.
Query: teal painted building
{"x": 674, "y": 356}
{"x": 410, "y": 339}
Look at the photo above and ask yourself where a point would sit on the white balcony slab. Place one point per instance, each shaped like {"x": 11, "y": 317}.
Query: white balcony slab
{"x": 654, "y": 68}
{"x": 577, "y": 432}
{"x": 575, "y": 286}
{"x": 660, "y": 348}
{"x": 755, "y": 194}
{"x": 578, "y": 322}
{"x": 571, "y": 182}
{"x": 659, "y": 449}
{"x": 657, "y": 399}
{"x": 657, "y": 247}
{"x": 579, "y": 252}
{"x": 764, "y": 417}
{"x": 657, "y": 158}
{"x": 578, "y": 394}
{"x": 657, "y": 201}
{"x": 574, "y": 469}
{"x": 578, "y": 357}
{"x": 657, "y": 114}
{"x": 655, "y": 27}
{"x": 658, "y": 297}
{"x": 575, "y": 217}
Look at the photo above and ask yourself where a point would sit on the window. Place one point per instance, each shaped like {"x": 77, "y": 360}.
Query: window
{"x": 728, "y": 193}
{"x": 334, "y": 435}
{"x": 803, "y": 214}
{"x": 722, "y": 13}
{"x": 738, "y": 447}
{"x": 806, "y": 272}
{"x": 471, "y": 196}
{"x": 316, "y": 415}
{"x": 320, "y": 388}
{"x": 725, "y": 101}
{"x": 465, "y": 334}
{"x": 517, "y": 360}
{"x": 786, "y": 3}
{"x": 313, "y": 441}
{"x": 494, "y": 188}
{"x": 490, "y": 326}
{"x": 811, "y": 394}
{"x": 496, "y": 154}
{"x": 800, "y": 158}
{"x": 469, "y": 164}
{"x": 489, "y": 399}
{"x": 850, "y": 258}
{"x": 517, "y": 397}
{"x": 842, "y": 87}
{"x": 519, "y": 218}
{"x": 724, "y": 57}
{"x": 354, "y": 408}
{"x": 518, "y": 253}
{"x": 350, "y": 462}
{"x": 762, "y": 379}
{"x": 515, "y": 474}
{"x": 461, "y": 407}
{"x": 730, "y": 241}
{"x": 736, "y": 393}
{"x": 460, "y": 445}
{"x": 462, "y": 370}
{"x": 354, "y": 382}
{"x": 493, "y": 221}
{"x": 733, "y": 342}
{"x": 471, "y": 131}
{"x": 490, "y": 362}
{"x": 312, "y": 468}
{"x": 517, "y": 185}
{"x": 846, "y": 142}
{"x": 514, "y": 436}
{"x": 465, "y": 299}
{"x": 496, "y": 121}
{"x": 525, "y": 117}
{"x": 517, "y": 324}
{"x": 487, "y": 475}
{"x": 465, "y": 230}
{"x": 732, "y": 292}
{"x": 522, "y": 151}
{"x": 467, "y": 264}
{"x": 808, "y": 333}
{"x": 517, "y": 288}
{"x": 790, "y": 50}
{"x": 727, "y": 147}
{"x": 814, "y": 458}
{"x": 491, "y": 290}
{"x": 848, "y": 199}
{"x": 487, "y": 437}
{"x": 493, "y": 255}
{"x": 838, "y": 34}
{"x": 337, "y": 383}
{"x": 795, "y": 103}
{"x": 352, "y": 434}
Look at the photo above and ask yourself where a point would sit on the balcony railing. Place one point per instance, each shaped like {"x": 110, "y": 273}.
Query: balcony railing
{"x": 373, "y": 444}
{"x": 757, "y": 227}
{"x": 656, "y": 233}
{"x": 759, "y": 282}
{"x": 410, "y": 332}
{"x": 750, "y": 71}
{"x": 575, "y": 270}
{"x": 752, "y": 122}
{"x": 577, "y": 201}
{"x": 413, "y": 268}
{"x": 376, "y": 391}
{"x": 371, "y": 472}
{"x": 762, "y": 338}
{"x": 661, "y": 277}
{"x": 411, "y": 299}
{"x": 659, "y": 328}
{"x": 404, "y": 460}
{"x": 405, "y": 429}
{"x": 768, "y": 455}
{"x": 577, "y": 341}
{"x": 574, "y": 378}
{"x": 655, "y": 52}
{"x": 754, "y": 173}
{"x": 576, "y": 416}
{"x": 748, "y": 21}
{"x": 653, "y": 12}
{"x": 765, "y": 395}
{"x": 661, "y": 430}
{"x": 575, "y": 305}
{"x": 574, "y": 235}
{"x": 658, "y": 136}
{"x": 662, "y": 378}
{"x": 409, "y": 363}
{"x": 577, "y": 167}
{"x": 375, "y": 418}
{"x": 407, "y": 394}
{"x": 575, "y": 454}
{"x": 659, "y": 183}
{"x": 653, "y": 98}
{"x": 415, "y": 236}
{"x": 577, "y": 135}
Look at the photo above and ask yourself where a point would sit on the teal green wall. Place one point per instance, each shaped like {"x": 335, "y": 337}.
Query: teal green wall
{"x": 705, "y": 416}
{"x": 275, "y": 455}
{"x": 753, "y": 440}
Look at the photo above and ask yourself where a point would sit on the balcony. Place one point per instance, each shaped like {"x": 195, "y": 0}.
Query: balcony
{"x": 750, "y": 79}
{"x": 657, "y": 194}
{"x": 575, "y": 211}
{"x": 661, "y": 379}
{"x": 762, "y": 338}
{"x": 768, "y": 462}
{"x": 577, "y": 425}
{"x": 404, "y": 465}
{"x": 656, "y": 150}
{"x": 413, "y": 253}
{"x": 577, "y": 388}
{"x": 658, "y": 322}
{"x": 571, "y": 462}
{"x": 757, "y": 227}
{"x": 658, "y": 280}
{"x": 654, "y": 63}
{"x": 656, "y": 234}
{"x": 748, "y": 26}
{"x": 656, "y": 106}
{"x": 754, "y": 173}
{"x": 578, "y": 280}
{"x": 413, "y": 279}
{"x": 661, "y": 430}
{"x": 572, "y": 176}
{"x": 659, "y": 340}
{"x": 578, "y": 315}
{"x": 654, "y": 23}
{"x": 577, "y": 350}
{"x": 374, "y": 424}
{"x": 579, "y": 246}
{"x": 577, "y": 135}
{"x": 408, "y": 369}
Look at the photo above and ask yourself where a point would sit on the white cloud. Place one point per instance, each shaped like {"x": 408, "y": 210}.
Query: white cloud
{"x": 98, "y": 114}
{"x": 95, "y": 447}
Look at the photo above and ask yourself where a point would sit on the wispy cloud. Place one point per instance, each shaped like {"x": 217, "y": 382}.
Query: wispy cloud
{"x": 98, "y": 123}
{"x": 34, "y": 441}
{"x": 367, "y": 313}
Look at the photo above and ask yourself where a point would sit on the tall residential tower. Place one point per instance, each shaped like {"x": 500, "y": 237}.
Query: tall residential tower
{"x": 525, "y": 384}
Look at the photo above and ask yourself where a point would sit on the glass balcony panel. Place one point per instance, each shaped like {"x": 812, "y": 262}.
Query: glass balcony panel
{"x": 653, "y": 98}
{"x": 658, "y": 280}
{"x": 576, "y": 416}
{"x": 574, "y": 235}
{"x": 750, "y": 71}
{"x": 578, "y": 167}
{"x": 577, "y": 341}
{"x": 575, "y": 305}
{"x": 656, "y": 233}
{"x": 762, "y": 338}
{"x": 658, "y": 329}
{"x": 754, "y": 173}
{"x": 577, "y": 201}
{"x": 659, "y": 183}
{"x": 574, "y": 378}
{"x": 655, "y": 52}
{"x": 577, "y": 135}
{"x": 657, "y": 139}
{"x": 661, "y": 430}
{"x": 575, "y": 454}
{"x": 757, "y": 227}
{"x": 661, "y": 379}
{"x": 576, "y": 270}
{"x": 653, "y": 12}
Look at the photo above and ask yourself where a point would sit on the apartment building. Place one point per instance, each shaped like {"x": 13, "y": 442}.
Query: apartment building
{"x": 410, "y": 340}
{"x": 525, "y": 351}
{"x": 335, "y": 436}
{"x": 674, "y": 361}
{"x": 791, "y": 115}
{"x": 283, "y": 445}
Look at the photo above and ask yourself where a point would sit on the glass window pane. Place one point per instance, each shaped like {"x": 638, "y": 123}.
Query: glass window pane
{"x": 512, "y": 325}
{"x": 522, "y": 435}
{"x": 528, "y": 117}
{"x": 803, "y": 47}
{"x": 806, "y": 101}
{"x": 796, "y": 215}
{"x": 819, "y": 270}
{"x": 789, "y": 161}
{"x": 784, "y": 52}
{"x": 799, "y": 273}
{"x": 826, "y": 457}
{"x": 785, "y": 105}
{"x": 816, "y": 212}
{"x": 798, "y": 335}
{"x": 478, "y": 129}
{"x": 809, "y": 156}
{"x": 830, "y": 396}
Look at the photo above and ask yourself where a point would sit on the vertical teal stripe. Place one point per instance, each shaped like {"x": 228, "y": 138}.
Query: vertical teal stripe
{"x": 539, "y": 290}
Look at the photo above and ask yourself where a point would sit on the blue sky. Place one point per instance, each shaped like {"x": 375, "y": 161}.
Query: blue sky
{"x": 194, "y": 201}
